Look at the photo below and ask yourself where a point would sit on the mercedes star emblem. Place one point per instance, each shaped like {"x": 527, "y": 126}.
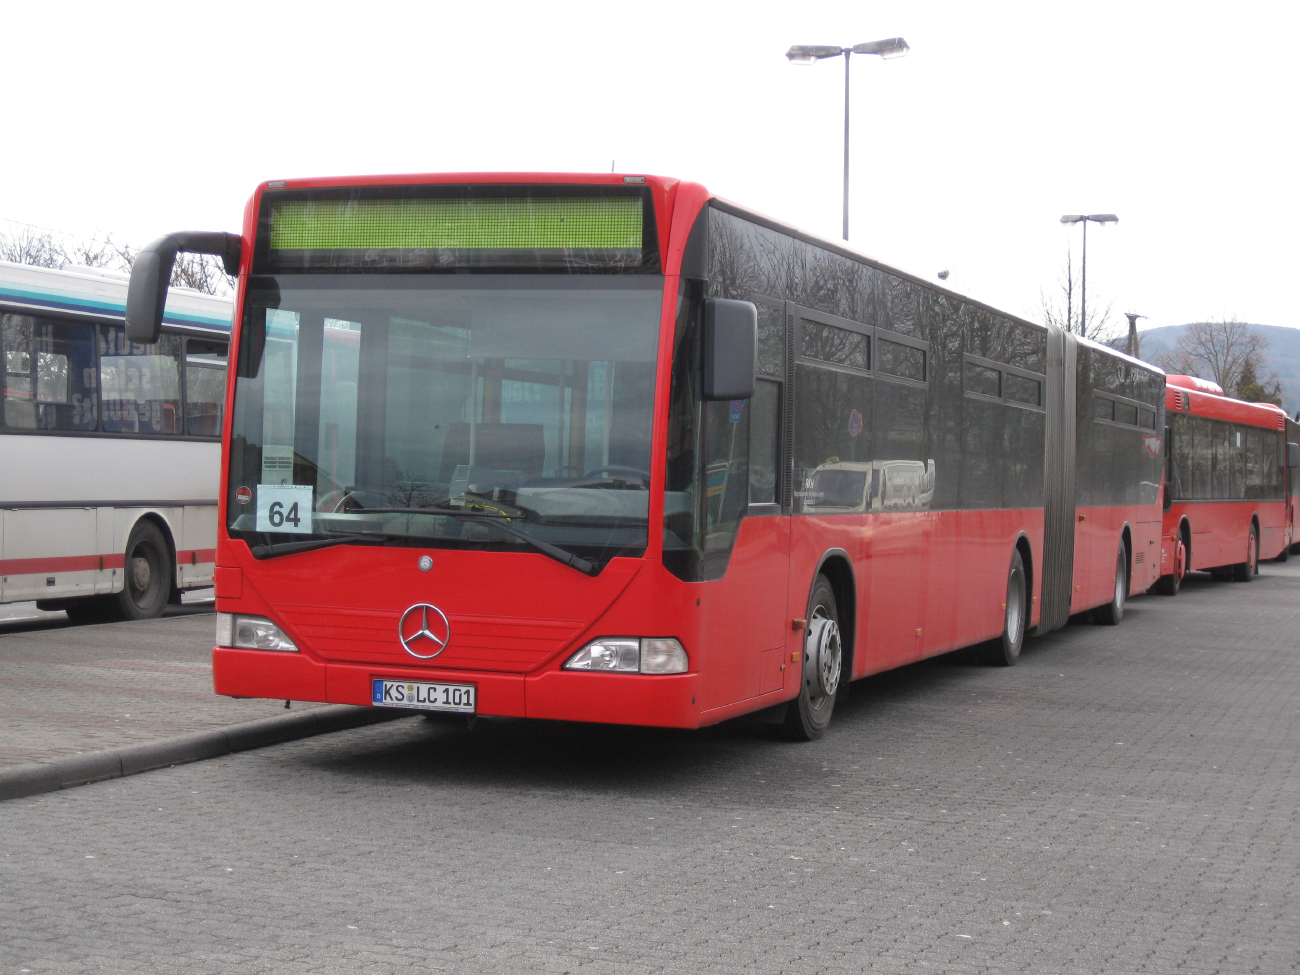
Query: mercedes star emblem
{"x": 414, "y": 639}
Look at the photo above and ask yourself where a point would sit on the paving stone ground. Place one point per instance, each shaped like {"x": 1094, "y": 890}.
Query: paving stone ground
{"x": 1123, "y": 801}
{"x": 67, "y": 689}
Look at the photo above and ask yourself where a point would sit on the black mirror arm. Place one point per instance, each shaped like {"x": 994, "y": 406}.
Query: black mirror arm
{"x": 151, "y": 275}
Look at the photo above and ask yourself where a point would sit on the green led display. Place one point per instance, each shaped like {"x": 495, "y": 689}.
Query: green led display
{"x": 457, "y": 225}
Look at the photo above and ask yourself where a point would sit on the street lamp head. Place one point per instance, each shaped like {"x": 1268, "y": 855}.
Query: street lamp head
{"x": 1103, "y": 218}
{"x": 1073, "y": 218}
{"x": 892, "y": 47}
{"x": 808, "y": 53}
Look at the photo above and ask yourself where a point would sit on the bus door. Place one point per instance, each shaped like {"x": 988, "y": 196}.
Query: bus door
{"x": 746, "y": 620}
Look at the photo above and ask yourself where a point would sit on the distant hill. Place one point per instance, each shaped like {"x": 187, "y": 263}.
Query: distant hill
{"x": 1282, "y": 355}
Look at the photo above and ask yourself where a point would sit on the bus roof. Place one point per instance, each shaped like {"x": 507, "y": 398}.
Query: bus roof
{"x": 93, "y": 291}
{"x": 1186, "y": 394}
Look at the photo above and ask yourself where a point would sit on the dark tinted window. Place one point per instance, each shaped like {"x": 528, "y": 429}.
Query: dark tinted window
{"x": 896, "y": 359}
{"x": 771, "y": 341}
{"x": 1022, "y": 390}
{"x": 983, "y": 380}
{"x": 832, "y": 426}
{"x": 1146, "y": 419}
{"x": 1126, "y": 413}
{"x": 764, "y": 424}
{"x": 1103, "y": 409}
{"x": 831, "y": 344}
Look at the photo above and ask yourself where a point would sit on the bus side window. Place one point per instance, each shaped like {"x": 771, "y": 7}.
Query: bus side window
{"x": 141, "y": 384}
{"x": 205, "y": 386}
{"x": 49, "y": 375}
{"x": 765, "y": 408}
{"x": 764, "y": 429}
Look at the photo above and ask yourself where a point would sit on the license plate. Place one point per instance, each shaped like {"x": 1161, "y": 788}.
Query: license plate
{"x": 424, "y": 696}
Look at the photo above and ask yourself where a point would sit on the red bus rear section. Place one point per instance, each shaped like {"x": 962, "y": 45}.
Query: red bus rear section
{"x": 1228, "y": 487}
{"x": 608, "y": 448}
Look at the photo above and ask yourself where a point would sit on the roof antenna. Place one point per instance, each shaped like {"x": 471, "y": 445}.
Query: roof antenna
{"x": 611, "y": 165}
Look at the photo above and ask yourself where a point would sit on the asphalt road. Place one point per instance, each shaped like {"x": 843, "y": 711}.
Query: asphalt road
{"x": 1125, "y": 800}
{"x": 68, "y": 690}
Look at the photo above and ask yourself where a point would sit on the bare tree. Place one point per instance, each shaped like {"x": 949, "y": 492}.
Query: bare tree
{"x": 46, "y": 248}
{"x": 1062, "y": 308}
{"x": 30, "y": 245}
{"x": 92, "y": 252}
{"x": 202, "y": 272}
{"x": 1219, "y": 351}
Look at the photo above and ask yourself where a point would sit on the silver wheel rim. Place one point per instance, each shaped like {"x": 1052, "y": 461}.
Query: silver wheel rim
{"x": 1015, "y": 609}
{"x": 1120, "y": 587}
{"x": 823, "y": 657}
{"x": 140, "y": 575}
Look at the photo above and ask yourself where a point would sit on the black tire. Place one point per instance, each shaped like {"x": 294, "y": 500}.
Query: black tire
{"x": 1005, "y": 650}
{"x": 809, "y": 715}
{"x": 92, "y": 609}
{"x": 1170, "y": 584}
{"x": 1113, "y": 611}
{"x": 1245, "y": 571}
{"x": 146, "y": 576}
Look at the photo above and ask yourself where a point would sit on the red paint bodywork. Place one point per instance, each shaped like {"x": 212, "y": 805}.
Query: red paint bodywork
{"x": 1219, "y": 530}
{"x": 925, "y": 582}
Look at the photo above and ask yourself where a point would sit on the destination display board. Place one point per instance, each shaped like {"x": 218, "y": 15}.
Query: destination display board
{"x": 412, "y": 229}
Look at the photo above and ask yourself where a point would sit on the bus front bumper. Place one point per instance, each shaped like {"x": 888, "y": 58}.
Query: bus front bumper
{"x": 659, "y": 701}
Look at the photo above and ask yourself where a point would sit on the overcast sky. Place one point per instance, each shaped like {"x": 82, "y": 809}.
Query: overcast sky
{"x": 139, "y": 119}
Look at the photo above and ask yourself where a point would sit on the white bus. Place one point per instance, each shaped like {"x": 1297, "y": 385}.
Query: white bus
{"x": 110, "y": 452}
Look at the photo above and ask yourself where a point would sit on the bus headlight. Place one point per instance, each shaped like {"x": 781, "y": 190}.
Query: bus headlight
{"x": 662, "y": 655}
{"x": 631, "y": 655}
{"x": 251, "y": 633}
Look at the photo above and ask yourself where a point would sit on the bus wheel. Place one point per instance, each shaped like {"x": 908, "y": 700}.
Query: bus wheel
{"x": 1169, "y": 585}
{"x": 1005, "y": 650}
{"x": 1245, "y": 571}
{"x": 147, "y": 584}
{"x": 1113, "y": 611}
{"x": 808, "y": 715}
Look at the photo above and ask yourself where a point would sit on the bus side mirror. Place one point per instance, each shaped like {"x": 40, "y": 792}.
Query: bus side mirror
{"x": 730, "y": 349}
{"x": 151, "y": 274}
{"x": 1293, "y": 455}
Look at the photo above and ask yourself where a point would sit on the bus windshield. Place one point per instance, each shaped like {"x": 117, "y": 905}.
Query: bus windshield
{"x": 400, "y": 405}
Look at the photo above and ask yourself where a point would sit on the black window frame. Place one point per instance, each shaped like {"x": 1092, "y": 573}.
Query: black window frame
{"x": 1003, "y": 370}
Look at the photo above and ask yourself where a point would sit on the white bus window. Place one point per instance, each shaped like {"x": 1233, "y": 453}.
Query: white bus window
{"x": 49, "y": 374}
{"x": 141, "y": 384}
{"x": 205, "y": 387}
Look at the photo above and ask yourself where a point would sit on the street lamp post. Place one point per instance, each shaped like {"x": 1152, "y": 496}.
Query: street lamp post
{"x": 1085, "y": 219}
{"x": 892, "y": 47}
{"x": 1133, "y": 347}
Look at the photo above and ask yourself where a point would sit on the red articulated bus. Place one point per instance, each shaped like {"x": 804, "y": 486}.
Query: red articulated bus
{"x": 607, "y": 448}
{"x": 1229, "y": 484}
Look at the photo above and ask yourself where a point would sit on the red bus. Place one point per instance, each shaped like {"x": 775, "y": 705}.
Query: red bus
{"x": 607, "y": 448}
{"x": 1227, "y": 500}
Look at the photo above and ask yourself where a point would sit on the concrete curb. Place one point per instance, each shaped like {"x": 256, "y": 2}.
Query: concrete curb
{"x": 66, "y": 773}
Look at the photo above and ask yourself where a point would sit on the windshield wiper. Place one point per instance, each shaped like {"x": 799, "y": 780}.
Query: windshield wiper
{"x": 271, "y": 550}
{"x": 563, "y": 556}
